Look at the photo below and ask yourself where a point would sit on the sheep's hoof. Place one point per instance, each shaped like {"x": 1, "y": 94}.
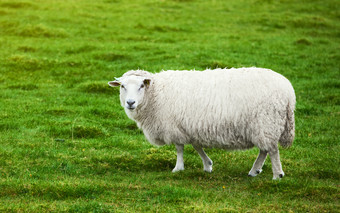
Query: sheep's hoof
{"x": 177, "y": 169}
{"x": 209, "y": 170}
{"x": 278, "y": 177}
{"x": 252, "y": 174}
{"x": 208, "y": 166}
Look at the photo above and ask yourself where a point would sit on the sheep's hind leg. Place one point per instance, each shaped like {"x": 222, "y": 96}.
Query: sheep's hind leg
{"x": 276, "y": 164}
{"x": 179, "y": 163}
{"x": 258, "y": 164}
{"x": 207, "y": 162}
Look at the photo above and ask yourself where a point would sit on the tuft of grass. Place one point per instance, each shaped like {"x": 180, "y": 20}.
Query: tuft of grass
{"x": 27, "y": 49}
{"x": 80, "y": 131}
{"x": 82, "y": 49}
{"x": 27, "y": 87}
{"x": 25, "y": 62}
{"x": 310, "y": 22}
{"x": 41, "y": 31}
{"x": 97, "y": 87}
{"x": 158, "y": 159}
{"x": 216, "y": 64}
{"x": 303, "y": 41}
{"x": 17, "y": 5}
{"x": 110, "y": 57}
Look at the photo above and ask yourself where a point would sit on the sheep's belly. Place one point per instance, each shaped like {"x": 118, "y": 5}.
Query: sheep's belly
{"x": 165, "y": 138}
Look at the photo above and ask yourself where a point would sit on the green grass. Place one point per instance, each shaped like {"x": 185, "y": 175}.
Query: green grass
{"x": 66, "y": 144}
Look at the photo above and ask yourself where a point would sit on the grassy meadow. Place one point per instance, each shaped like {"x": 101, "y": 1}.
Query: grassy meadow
{"x": 66, "y": 145}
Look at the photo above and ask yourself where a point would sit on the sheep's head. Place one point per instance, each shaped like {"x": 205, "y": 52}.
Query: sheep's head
{"x": 132, "y": 90}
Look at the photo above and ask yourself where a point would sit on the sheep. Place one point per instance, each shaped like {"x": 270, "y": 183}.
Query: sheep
{"x": 236, "y": 108}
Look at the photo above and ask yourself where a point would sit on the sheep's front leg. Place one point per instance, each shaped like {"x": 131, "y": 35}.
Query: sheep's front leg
{"x": 258, "y": 164}
{"x": 207, "y": 162}
{"x": 179, "y": 163}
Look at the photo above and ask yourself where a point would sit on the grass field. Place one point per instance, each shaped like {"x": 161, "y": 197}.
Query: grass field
{"x": 67, "y": 145}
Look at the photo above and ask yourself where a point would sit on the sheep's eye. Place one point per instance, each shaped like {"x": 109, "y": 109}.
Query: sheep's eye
{"x": 122, "y": 86}
{"x": 142, "y": 86}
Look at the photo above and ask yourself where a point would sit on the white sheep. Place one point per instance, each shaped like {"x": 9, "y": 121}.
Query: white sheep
{"x": 221, "y": 108}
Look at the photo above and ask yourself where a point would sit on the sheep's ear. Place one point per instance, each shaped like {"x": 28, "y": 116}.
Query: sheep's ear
{"x": 147, "y": 82}
{"x": 114, "y": 83}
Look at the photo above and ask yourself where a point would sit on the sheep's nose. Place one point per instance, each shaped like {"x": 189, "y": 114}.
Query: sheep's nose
{"x": 130, "y": 102}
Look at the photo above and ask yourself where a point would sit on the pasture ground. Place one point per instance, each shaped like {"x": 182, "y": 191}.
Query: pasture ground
{"x": 66, "y": 144}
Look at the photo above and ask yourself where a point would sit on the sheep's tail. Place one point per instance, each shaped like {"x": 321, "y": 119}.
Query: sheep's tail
{"x": 288, "y": 134}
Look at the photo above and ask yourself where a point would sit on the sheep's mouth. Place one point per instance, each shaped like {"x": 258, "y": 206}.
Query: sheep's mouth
{"x": 131, "y": 108}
